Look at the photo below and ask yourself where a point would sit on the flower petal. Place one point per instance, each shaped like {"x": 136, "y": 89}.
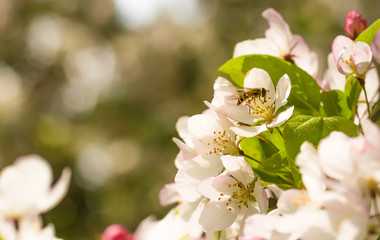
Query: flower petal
{"x": 218, "y": 188}
{"x": 217, "y": 216}
{"x": 279, "y": 31}
{"x": 340, "y": 43}
{"x": 282, "y": 91}
{"x": 312, "y": 176}
{"x": 194, "y": 172}
{"x": 362, "y": 56}
{"x": 247, "y": 131}
{"x": 169, "y": 195}
{"x": 257, "y": 46}
{"x": 281, "y": 118}
{"x": 238, "y": 168}
{"x": 57, "y": 192}
{"x": 261, "y": 197}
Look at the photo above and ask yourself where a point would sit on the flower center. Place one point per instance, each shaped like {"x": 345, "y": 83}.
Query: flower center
{"x": 260, "y": 107}
{"x": 239, "y": 197}
{"x": 223, "y": 143}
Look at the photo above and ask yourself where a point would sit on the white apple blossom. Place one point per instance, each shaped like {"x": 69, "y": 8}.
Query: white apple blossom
{"x": 352, "y": 58}
{"x": 180, "y": 223}
{"x": 207, "y": 133}
{"x": 25, "y": 187}
{"x": 28, "y": 228}
{"x": 231, "y": 193}
{"x": 194, "y": 172}
{"x": 280, "y": 42}
{"x": 260, "y": 111}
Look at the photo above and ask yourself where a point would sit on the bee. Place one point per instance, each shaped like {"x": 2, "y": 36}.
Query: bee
{"x": 251, "y": 94}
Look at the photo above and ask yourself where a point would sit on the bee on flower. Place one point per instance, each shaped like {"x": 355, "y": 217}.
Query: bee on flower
{"x": 257, "y": 113}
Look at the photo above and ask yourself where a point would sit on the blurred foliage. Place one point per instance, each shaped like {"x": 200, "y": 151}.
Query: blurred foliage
{"x": 82, "y": 90}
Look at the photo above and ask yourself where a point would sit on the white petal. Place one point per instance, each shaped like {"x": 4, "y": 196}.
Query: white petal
{"x": 182, "y": 130}
{"x": 258, "y": 78}
{"x": 282, "y": 91}
{"x": 23, "y": 185}
{"x": 335, "y": 156}
{"x": 341, "y": 43}
{"x": 57, "y": 192}
{"x": 217, "y": 216}
{"x": 261, "y": 197}
{"x": 293, "y": 199}
{"x": 278, "y": 31}
{"x": 169, "y": 195}
{"x": 195, "y": 171}
{"x": 218, "y": 189}
{"x": 238, "y": 168}
{"x": 247, "y": 131}
{"x": 303, "y": 57}
{"x": 312, "y": 175}
{"x": 281, "y": 118}
{"x": 257, "y": 46}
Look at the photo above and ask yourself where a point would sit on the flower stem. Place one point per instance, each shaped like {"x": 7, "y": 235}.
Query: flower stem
{"x": 279, "y": 131}
{"x": 366, "y": 100}
{"x": 267, "y": 141}
{"x": 253, "y": 159}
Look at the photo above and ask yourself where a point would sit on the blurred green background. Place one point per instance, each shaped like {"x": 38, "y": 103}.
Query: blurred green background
{"x": 98, "y": 85}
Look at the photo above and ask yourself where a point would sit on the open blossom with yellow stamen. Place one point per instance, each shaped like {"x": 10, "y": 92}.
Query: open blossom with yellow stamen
{"x": 260, "y": 110}
{"x": 231, "y": 193}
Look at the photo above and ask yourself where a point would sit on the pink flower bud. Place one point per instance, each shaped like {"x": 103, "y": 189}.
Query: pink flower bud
{"x": 117, "y": 232}
{"x": 355, "y": 24}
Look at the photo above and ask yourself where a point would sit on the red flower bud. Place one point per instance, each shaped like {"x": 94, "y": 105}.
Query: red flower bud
{"x": 117, "y": 232}
{"x": 355, "y": 24}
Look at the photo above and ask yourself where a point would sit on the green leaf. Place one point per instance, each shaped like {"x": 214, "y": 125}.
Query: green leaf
{"x": 297, "y": 178}
{"x": 352, "y": 91}
{"x": 375, "y": 112}
{"x": 305, "y": 93}
{"x": 303, "y": 128}
{"x": 276, "y": 164}
{"x": 368, "y": 35}
{"x": 335, "y": 104}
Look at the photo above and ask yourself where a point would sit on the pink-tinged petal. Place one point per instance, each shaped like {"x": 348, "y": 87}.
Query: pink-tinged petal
{"x": 57, "y": 192}
{"x": 362, "y": 56}
{"x": 282, "y": 91}
{"x": 281, "y": 118}
{"x": 218, "y": 188}
{"x": 247, "y": 131}
{"x": 257, "y": 46}
{"x": 185, "y": 153}
{"x": 194, "y": 172}
{"x": 238, "y": 168}
{"x": 312, "y": 175}
{"x": 278, "y": 31}
{"x": 333, "y": 78}
{"x": 217, "y": 216}
{"x": 223, "y": 121}
{"x": 303, "y": 57}
{"x": 375, "y": 47}
{"x": 261, "y": 197}
{"x": 169, "y": 195}
{"x": 340, "y": 43}
{"x": 344, "y": 64}
{"x": 258, "y": 78}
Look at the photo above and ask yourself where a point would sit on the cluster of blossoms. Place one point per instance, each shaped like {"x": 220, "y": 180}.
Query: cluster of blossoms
{"x": 268, "y": 163}
{"x": 26, "y": 193}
